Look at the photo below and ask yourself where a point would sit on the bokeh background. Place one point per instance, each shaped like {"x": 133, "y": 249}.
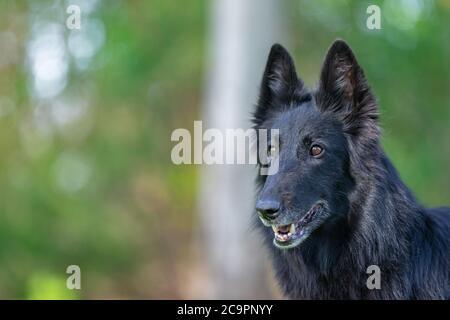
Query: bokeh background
{"x": 86, "y": 117}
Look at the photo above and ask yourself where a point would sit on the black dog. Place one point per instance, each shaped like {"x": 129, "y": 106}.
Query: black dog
{"x": 336, "y": 204}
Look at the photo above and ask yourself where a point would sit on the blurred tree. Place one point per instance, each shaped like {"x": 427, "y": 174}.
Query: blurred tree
{"x": 242, "y": 33}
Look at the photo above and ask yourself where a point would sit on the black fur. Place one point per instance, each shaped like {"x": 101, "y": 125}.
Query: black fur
{"x": 370, "y": 216}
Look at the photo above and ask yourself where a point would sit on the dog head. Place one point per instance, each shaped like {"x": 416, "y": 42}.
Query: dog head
{"x": 324, "y": 135}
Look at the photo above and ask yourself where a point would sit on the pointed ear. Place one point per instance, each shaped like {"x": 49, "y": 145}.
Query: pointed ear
{"x": 343, "y": 89}
{"x": 280, "y": 85}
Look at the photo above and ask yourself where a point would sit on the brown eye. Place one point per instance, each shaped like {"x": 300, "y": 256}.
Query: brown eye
{"x": 316, "y": 150}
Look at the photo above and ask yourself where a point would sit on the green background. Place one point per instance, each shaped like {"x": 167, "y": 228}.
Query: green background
{"x": 85, "y": 174}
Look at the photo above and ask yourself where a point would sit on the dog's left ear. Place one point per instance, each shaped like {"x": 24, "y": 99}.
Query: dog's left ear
{"x": 343, "y": 89}
{"x": 280, "y": 86}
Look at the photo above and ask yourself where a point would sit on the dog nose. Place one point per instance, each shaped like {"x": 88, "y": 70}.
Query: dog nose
{"x": 268, "y": 209}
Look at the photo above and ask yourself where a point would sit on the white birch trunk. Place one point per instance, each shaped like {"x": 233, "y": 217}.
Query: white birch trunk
{"x": 241, "y": 34}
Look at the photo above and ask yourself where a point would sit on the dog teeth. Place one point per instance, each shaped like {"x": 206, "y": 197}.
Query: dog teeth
{"x": 284, "y": 235}
{"x": 292, "y": 229}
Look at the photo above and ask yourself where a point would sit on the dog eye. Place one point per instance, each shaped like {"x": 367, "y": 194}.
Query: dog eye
{"x": 316, "y": 150}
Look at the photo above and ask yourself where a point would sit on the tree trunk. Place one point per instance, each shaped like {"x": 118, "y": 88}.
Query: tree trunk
{"x": 241, "y": 34}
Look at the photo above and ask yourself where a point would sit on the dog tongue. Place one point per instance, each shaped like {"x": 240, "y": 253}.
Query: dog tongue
{"x": 284, "y": 229}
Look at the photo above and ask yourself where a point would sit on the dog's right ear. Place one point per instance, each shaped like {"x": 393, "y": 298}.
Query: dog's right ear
{"x": 344, "y": 90}
{"x": 280, "y": 85}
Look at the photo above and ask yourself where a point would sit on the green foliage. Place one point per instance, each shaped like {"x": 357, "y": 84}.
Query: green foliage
{"x": 49, "y": 287}
{"x": 97, "y": 189}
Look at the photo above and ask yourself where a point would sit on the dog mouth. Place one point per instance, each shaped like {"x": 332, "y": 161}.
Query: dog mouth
{"x": 293, "y": 234}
